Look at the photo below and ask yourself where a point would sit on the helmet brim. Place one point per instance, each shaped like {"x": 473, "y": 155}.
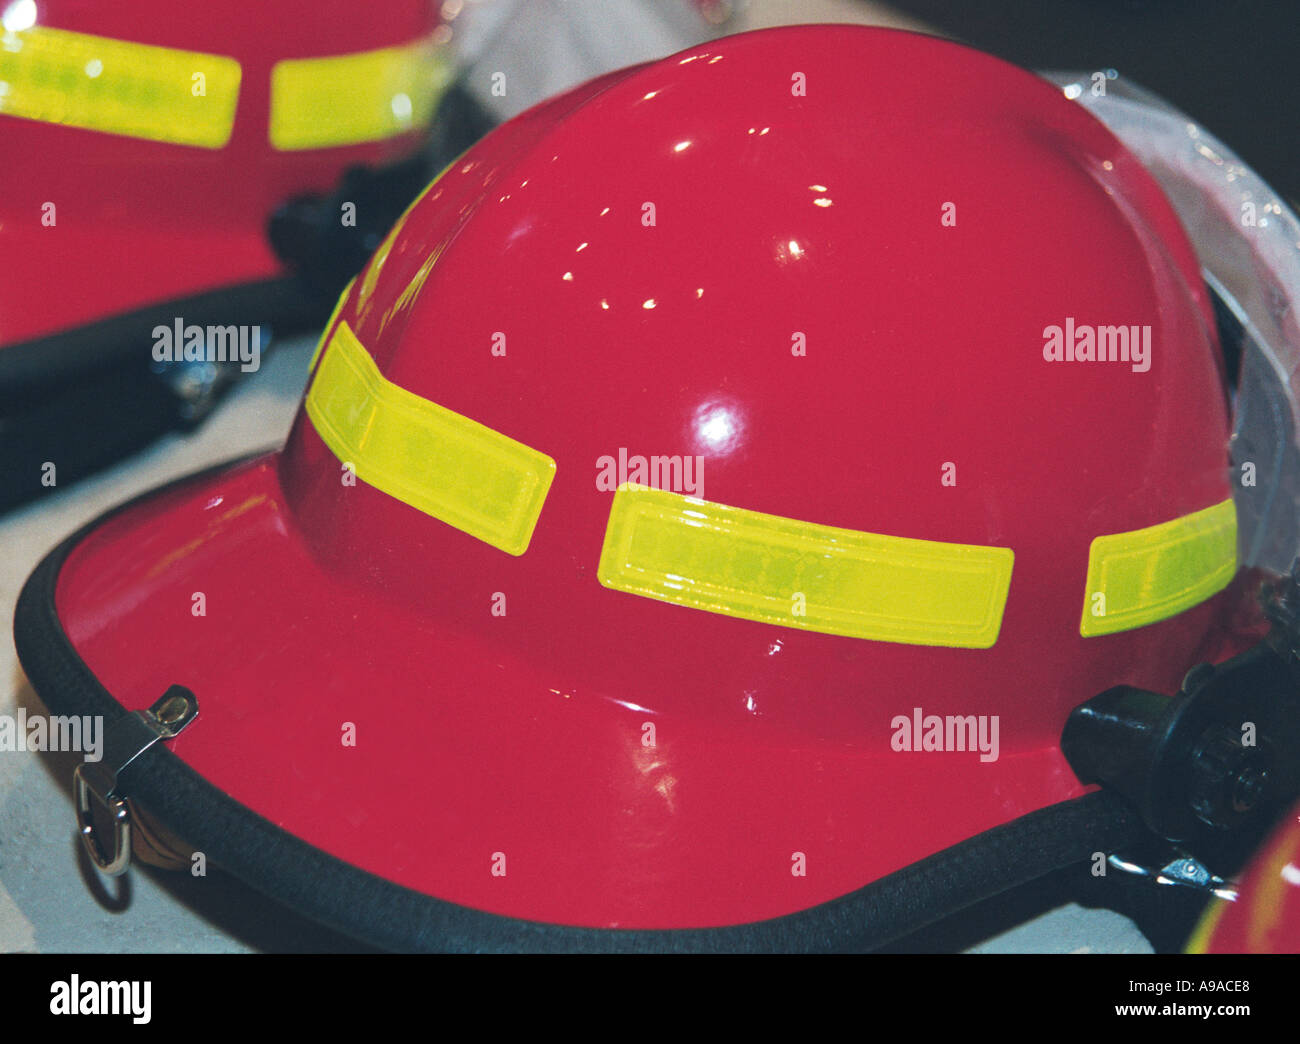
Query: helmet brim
{"x": 423, "y": 791}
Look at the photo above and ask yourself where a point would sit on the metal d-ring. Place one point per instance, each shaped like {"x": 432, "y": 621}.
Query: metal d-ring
{"x": 124, "y": 741}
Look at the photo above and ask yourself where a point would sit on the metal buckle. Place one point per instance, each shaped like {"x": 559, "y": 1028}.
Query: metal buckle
{"x": 1181, "y": 870}
{"x": 124, "y": 741}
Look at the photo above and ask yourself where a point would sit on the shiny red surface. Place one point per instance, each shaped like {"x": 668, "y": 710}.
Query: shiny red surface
{"x": 522, "y": 734}
{"x": 141, "y": 222}
{"x": 1266, "y": 916}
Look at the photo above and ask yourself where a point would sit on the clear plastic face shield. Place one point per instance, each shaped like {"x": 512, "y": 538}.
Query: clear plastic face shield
{"x": 1248, "y": 243}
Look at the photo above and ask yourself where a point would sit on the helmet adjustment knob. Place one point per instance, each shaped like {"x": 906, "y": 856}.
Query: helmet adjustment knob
{"x": 1228, "y": 779}
{"x": 1219, "y": 756}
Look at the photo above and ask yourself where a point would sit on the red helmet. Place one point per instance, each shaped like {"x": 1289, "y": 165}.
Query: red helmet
{"x": 1265, "y": 918}
{"x": 712, "y": 499}
{"x": 156, "y": 141}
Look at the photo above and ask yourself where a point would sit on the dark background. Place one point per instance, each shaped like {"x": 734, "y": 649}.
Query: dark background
{"x": 1233, "y": 65}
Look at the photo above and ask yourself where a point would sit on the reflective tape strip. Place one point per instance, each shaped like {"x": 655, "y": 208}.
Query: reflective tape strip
{"x": 329, "y": 326}
{"x": 351, "y": 98}
{"x": 118, "y": 87}
{"x": 1151, "y": 574}
{"x": 1204, "y": 935}
{"x": 799, "y": 574}
{"x": 437, "y": 461}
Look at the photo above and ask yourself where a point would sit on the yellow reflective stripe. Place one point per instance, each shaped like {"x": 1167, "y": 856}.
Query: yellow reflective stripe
{"x": 329, "y": 326}
{"x": 799, "y": 574}
{"x": 435, "y": 460}
{"x": 1209, "y": 923}
{"x": 118, "y": 87}
{"x": 1151, "y": 574}
{"x": 350, "y": 98}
